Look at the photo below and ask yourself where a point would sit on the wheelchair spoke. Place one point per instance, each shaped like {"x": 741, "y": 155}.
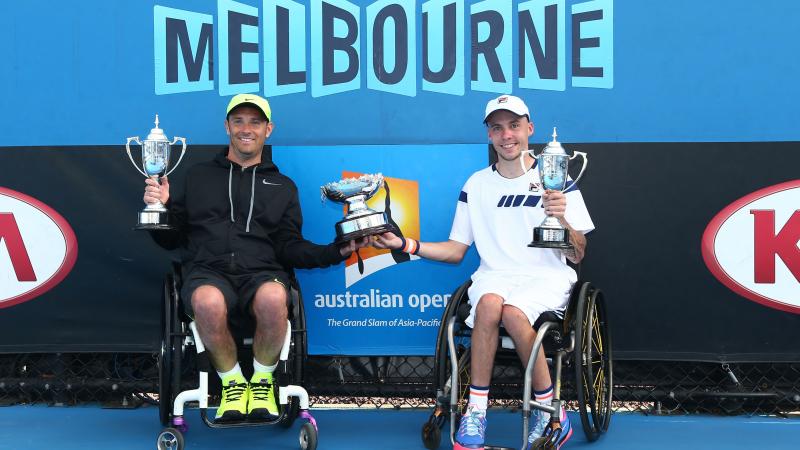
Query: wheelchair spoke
{"x": 598, "y": 383}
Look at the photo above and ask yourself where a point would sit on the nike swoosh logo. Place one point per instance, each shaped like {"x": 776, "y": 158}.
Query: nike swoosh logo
{"x": 271, "y": 184}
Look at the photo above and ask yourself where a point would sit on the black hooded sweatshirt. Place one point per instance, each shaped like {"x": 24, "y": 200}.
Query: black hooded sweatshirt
{"x": 242, "y": 220}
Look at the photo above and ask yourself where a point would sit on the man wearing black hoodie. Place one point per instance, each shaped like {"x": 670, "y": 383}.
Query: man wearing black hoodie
{"x": 239, "y": 226}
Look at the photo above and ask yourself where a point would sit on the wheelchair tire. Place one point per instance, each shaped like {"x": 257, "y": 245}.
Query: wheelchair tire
{"x": 170, "y": 439}
{"x": 165, "y": 360}
{"x": 308, "y": 437}
{"x": 605, "y": 396}
{"x": 592, "y": 361}
{"x": 441, "y": 368}
{"x": 169, "y": 358}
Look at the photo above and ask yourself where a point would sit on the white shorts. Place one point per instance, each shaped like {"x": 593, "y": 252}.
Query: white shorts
{"x": 532, "y": 295}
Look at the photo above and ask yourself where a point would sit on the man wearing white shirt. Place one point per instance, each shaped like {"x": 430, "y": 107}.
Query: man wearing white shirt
{"x": 497, "y": 209}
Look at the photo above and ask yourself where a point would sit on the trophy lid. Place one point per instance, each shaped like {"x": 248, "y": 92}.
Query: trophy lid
{"x": 157, "y": 134}
{"x": 554, "y": 147}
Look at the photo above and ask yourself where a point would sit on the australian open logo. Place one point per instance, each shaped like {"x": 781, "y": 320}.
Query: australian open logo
{"x": 395, "y": 46}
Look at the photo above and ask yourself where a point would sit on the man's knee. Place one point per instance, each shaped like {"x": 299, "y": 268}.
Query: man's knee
{"x": 270, "y": 302}
{"x": 208, "y": 303}
{"x": 489, "y": 310}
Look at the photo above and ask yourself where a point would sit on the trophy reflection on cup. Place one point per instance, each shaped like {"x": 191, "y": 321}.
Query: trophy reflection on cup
{"x": 154, "y": 163}
{"x": 553, "y": 163}
{"x": 360, "y": 220}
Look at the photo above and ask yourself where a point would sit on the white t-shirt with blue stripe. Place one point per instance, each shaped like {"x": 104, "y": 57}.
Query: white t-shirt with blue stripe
{"x": 498, "y": 214}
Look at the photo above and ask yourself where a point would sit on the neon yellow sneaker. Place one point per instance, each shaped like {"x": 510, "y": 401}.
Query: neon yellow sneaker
{"x": 233, "y": 406}
{"x": 261, "y": 403}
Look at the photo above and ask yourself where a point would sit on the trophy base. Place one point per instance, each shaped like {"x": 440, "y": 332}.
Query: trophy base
{"x": 550, "y": 238}
{"x": 358, "y": 227}
{"x": 154, "y": 220}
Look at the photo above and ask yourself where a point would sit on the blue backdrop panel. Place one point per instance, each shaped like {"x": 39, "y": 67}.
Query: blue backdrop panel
{"x": 717, "y": 70}
{"x": 407, "y": 322}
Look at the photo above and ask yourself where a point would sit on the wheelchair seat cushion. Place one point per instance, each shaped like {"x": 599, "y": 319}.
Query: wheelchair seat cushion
{"x": 549, "y": 316}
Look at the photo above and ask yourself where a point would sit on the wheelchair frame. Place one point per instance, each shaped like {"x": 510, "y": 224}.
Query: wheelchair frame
{"x": 584, "y": 327}
{"x": 292, "y": 397}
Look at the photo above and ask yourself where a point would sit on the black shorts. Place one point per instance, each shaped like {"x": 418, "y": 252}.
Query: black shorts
{"x": 238, "y": 289}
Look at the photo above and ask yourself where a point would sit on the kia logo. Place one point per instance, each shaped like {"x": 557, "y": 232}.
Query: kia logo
{"x": 751, "y": 246}
{"x": 37, "y": 248}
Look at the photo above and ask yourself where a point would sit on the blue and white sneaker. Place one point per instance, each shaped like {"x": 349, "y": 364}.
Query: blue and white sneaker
{"x": 539, "y": 421}
{"x": 541, "y": 429}
{"x": 566, "y": 430}
{"x": 471, "y": 430}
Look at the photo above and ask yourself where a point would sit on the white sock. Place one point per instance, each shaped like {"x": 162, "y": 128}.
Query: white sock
{"x": 258, "y": 367}
{"x": 479, "y": 397}
{"x": 236, "y": 370}
{"x": 545, "y": 397}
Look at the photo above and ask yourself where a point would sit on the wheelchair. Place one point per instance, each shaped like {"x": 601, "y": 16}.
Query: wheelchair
{"x": 579, "y": 341}
{"x": 176, "y": 359}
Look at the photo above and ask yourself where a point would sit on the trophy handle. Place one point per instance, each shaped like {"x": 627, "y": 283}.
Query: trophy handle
{"x": 374, "y": 190}
{"x": 522, "y": 158}
{"x": 183, "y": 151}
{"x": 128, "y": 147}
{"x": 583, "y": 169}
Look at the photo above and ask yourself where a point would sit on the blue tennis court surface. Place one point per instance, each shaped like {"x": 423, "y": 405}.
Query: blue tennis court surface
{"x": 87, "y": 427}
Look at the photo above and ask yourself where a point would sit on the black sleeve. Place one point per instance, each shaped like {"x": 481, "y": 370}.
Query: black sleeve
{"x": 295, "y": 251}
{"x": 172, "y": 239}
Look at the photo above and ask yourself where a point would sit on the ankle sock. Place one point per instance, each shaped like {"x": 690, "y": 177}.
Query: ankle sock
{"x": 258, "y": 367}
{"x": 479, "y": 397}
{"x": 544, "y": 397}
{"x": 236, "y": 370}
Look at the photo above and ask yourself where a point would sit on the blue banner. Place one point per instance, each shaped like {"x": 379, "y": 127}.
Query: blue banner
{"x": 385, "y": 304}
{"x": 401, "y": 71}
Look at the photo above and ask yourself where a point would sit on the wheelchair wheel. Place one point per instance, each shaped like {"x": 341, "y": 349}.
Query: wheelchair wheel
{"x": 169, "y": 364}
{"x": 432, "y": 429}
{"x": 592, "y": 361}
{"x": 463, "y": 379}
{"x": 170, "y": 439}
{"x": 308, "y": 436}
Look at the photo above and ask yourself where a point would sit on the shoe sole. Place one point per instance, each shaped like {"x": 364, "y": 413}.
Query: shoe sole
{"x": 261, "y": 414}
{"x": 230, "y": 416}
{"x": 458, "y": 446}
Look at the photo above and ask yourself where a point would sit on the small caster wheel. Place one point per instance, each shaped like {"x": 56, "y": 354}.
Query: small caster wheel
{"x": 308, "y": 436}
{"x": 170, "y": 439}
{"x": 431, "y": 435}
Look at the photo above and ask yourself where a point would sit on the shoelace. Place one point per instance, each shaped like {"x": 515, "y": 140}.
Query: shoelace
{"x": 261, "y": 391}
{"x": 471, "y": 424}
{"x": 235, "y": 392}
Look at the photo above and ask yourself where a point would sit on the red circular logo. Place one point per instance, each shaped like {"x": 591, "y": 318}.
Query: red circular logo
{"x": 751, "y": 246}
{"x": 37, "y": 248}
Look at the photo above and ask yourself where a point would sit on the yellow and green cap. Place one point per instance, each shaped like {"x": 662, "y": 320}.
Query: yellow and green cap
{"x": 250, "y": 99}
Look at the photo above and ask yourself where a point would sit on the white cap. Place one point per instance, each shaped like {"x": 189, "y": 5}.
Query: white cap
{"x": 509, "y": 103}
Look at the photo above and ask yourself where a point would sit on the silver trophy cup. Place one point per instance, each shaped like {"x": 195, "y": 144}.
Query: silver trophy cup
{"x": 360, "y": 220}
{"x": 553, "y": 162}
{"x": 154, "y": 164}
